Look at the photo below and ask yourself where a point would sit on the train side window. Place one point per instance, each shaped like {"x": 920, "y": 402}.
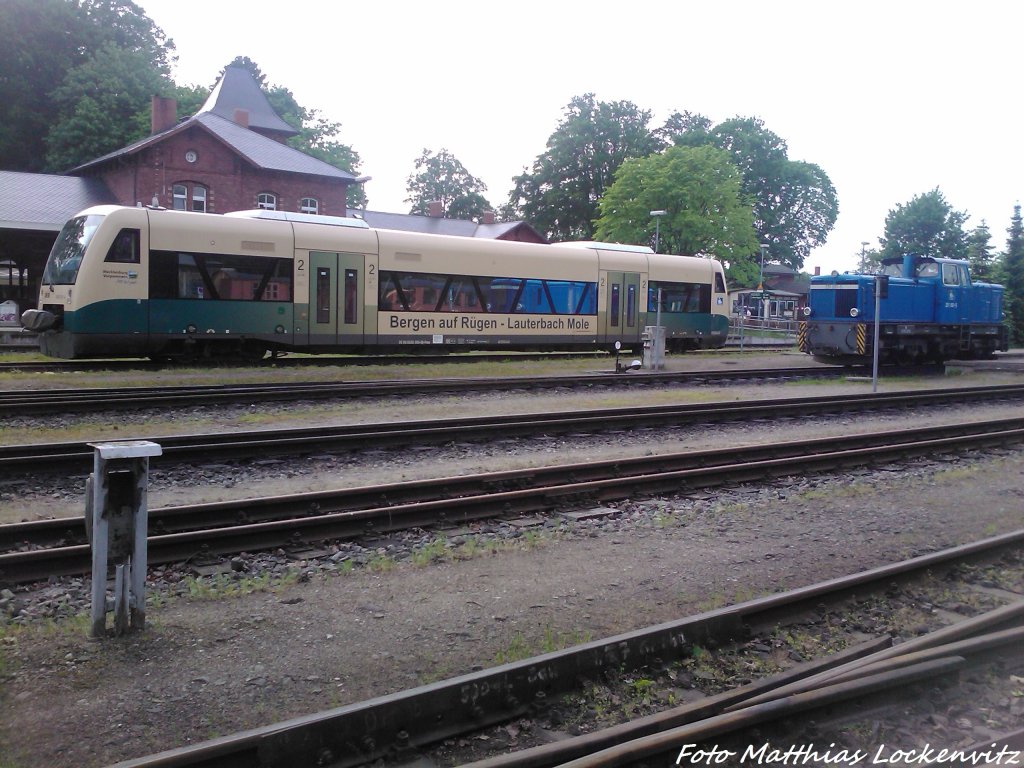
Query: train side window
{"x": 719, "y": 283}
{"x": 323, "y": 295}
{"x": 630, "y": 306}
{"x": 613, "y": 310}
{"x": 950, "y": 274}
{"x": 125, "y": 248}
{"x": 351, "y": 296}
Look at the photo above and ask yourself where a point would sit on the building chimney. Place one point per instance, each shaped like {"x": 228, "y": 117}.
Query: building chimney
{"x": 488, "y": 217}
{"x": 435, "y": 209}
{"x": 241, "y": 117}
{"x": 817, "y": 271}
{"x": 163, "y": 114}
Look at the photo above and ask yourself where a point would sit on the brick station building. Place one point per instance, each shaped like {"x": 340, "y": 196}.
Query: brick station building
{"x": 230, "y": 156}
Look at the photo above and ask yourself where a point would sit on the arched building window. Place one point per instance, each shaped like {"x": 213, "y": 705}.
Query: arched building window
{"x": 309, "y": 205}
{"x": 267, "y": 201}
{"x": 188, "y": 196}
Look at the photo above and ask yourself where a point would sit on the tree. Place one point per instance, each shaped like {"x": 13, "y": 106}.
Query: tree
{"x": 441, "y": 177}
{"x": 1013, "y": 274}
{"x": 980, "y": 255}
{"x": 44, "y": 41}
{"x": 794, "y": 203}
{"x": 926, "y": 226}
{"x": 706, "y": 212}
{"x": 559, "y": 195}
{"x": 101, "y": 104}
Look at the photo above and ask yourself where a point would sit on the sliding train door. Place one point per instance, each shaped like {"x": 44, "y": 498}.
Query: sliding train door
{"x": 619, "y": 297}
{"x": 336, "y": 299}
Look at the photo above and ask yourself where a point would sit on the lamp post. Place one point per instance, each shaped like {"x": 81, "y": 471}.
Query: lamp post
{"x": 760, "y": 285}
{"x": 760, "y": 278}
{"x": 657, "y": 226}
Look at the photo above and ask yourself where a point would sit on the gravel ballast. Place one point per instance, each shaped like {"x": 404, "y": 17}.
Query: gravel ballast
{"x": 273, "y": 637}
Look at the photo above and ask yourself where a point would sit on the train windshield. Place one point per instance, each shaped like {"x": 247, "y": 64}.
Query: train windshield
{"x": 66, "y": 254}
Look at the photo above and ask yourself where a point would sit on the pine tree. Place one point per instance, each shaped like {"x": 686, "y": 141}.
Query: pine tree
{"x": 980, "y": 255}
{"x": 1013, "y": 272}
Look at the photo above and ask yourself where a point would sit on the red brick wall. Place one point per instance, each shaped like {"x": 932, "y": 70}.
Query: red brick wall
{"x": 232, "y": 183}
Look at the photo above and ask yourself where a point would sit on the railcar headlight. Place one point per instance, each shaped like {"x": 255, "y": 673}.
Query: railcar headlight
{"x": 854, "y": 312}
{"x": 807, "y": 311}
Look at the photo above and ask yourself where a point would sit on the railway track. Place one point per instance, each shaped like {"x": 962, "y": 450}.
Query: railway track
{"x": 285, "y": 361}
{"x": 328, "y": 361}
{"x": 63, "y": 401}
{"x": 48, "y": 547}
{"x": 870, "y": 672}
{"x": 78, "y": 456}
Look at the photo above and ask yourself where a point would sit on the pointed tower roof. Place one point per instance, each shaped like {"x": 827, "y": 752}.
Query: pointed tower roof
{"x": 238, "y": 90}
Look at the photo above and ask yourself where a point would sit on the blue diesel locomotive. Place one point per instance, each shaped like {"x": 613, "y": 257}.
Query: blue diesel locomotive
{"x": 930, "y": 311}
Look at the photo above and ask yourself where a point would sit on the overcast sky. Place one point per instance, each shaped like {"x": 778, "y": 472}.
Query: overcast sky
{"x": 891, "y": 99}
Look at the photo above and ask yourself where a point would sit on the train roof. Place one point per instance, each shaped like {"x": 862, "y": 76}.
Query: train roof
{"x": 626, "y": 247}
{"x": 305, "y": 218}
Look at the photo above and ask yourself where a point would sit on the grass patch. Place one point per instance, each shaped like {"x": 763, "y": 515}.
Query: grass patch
{"x": 224, "y": 585}
{"x": 520, "y": 648}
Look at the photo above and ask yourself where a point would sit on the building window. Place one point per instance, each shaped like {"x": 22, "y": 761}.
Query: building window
{"x": 179, "y": 194}
{"x": 309, "y": 205}
{"x": 183, "y": 192}
{"x": 267, "y": 201}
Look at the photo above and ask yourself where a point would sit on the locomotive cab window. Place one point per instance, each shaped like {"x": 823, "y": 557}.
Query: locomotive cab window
{"x": 125, "y": 248}
{"x": 950, "y": 274}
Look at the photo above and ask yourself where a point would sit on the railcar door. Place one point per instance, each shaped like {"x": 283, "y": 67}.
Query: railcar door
{"x": 335, "y": 299}
{"x": 620, "y": 307}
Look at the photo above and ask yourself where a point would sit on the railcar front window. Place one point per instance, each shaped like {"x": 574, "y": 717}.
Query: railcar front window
{"x": 67, "y": 253}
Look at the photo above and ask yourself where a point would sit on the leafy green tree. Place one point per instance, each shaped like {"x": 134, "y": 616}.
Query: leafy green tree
{"x": 794, "y": 203}
{"x": 44, "y": 41}
{"x": 190, "y": 99}
{"x": 101, "y": 104}
{"x": 926, "y": 226}
{"x": 440, "y": 176}
{"x": 559, "y": 195}
{"x": 980, "y": 255}
{"x": 695, "y": 127}
{"x": 701, "y": 191}
{"x": 1013, "y": 276}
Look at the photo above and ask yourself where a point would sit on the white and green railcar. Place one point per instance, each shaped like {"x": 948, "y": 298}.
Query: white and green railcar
{"x": 142, "y": 282}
